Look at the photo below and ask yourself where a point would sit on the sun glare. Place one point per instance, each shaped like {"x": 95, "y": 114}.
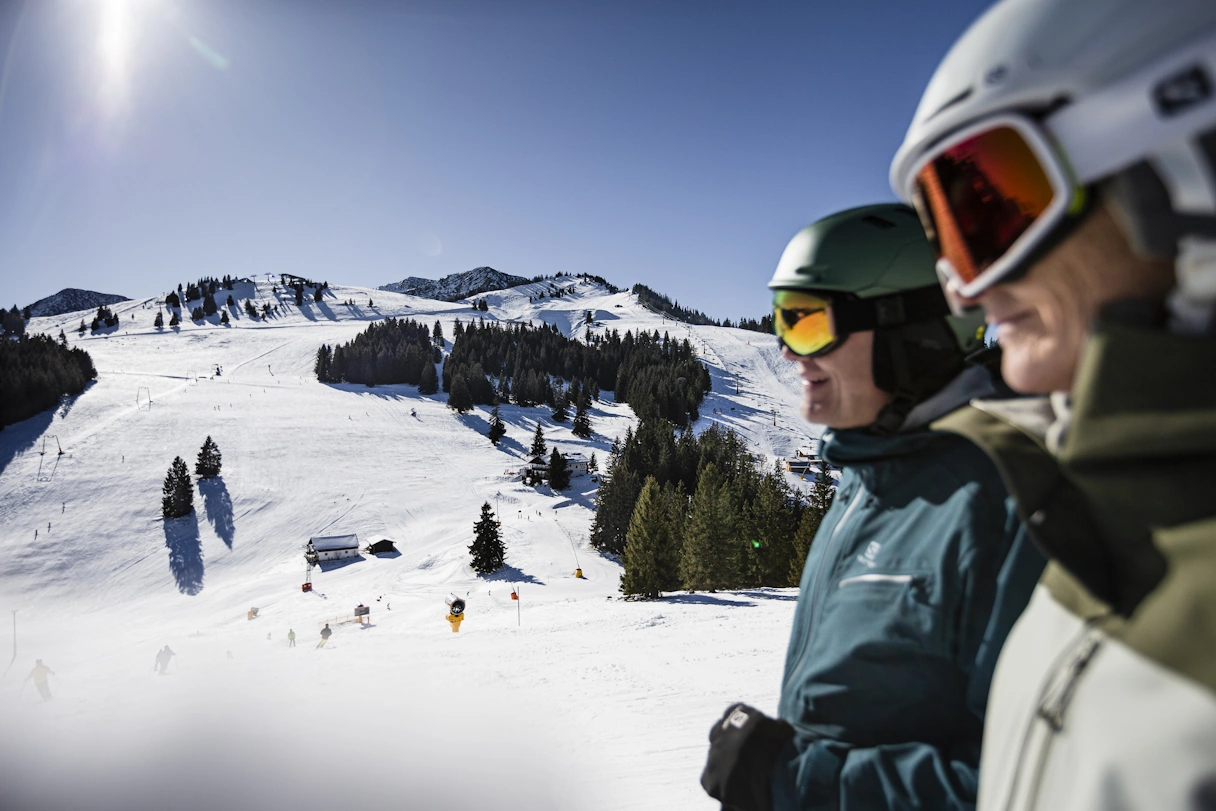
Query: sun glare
{"x": 114, "y": 51}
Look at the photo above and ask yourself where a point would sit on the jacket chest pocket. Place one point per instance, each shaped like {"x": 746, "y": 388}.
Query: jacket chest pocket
{"x": 889, "y": 608}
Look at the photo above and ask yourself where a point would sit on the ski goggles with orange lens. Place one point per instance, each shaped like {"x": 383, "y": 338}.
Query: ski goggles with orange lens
{"x": 803, "y": 322}
{"x": 988, "y": 196}
{"x": 812, "y": 325}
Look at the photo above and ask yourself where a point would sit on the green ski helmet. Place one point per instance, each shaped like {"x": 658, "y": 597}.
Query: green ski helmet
{"x": 877, "y": 270}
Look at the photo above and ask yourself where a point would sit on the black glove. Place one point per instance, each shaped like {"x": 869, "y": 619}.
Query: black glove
{"x": 743, "y": 748}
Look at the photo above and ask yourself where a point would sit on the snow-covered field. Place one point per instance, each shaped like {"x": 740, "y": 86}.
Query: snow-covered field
{"x": 569, "y": 698}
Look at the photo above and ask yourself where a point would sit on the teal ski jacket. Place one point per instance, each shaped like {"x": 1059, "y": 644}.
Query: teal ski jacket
{"x": 912, "y": 583}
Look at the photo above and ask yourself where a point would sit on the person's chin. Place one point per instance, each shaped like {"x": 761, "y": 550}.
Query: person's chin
{"x": 1035, "y": 369}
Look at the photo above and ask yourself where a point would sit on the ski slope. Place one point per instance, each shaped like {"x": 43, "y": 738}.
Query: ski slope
{"x": 568, "y": 698}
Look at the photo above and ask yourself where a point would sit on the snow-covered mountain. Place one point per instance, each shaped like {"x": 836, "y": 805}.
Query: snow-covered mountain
{"x": 70, "y": 300}
{"x": 568, "y": 698}
{"x": 457, "y": 285}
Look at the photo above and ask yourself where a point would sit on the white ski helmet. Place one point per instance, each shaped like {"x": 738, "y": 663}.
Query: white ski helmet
{"x": 1118, "y": 92}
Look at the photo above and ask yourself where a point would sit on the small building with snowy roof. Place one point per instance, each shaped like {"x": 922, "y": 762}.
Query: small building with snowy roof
{"x": 331, "y": 547}
{"x": 578, "y": 463}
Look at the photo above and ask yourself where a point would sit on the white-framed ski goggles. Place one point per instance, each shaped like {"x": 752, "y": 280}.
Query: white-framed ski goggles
{"x": 991, "y": 192}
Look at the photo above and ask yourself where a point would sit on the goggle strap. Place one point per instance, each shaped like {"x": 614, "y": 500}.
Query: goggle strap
{"x": 892, "y": 310}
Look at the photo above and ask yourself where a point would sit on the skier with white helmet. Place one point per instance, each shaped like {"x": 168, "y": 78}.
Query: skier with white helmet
{"x": 1063, "y": 161}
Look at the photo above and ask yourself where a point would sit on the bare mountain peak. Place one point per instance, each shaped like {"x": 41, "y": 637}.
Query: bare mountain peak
{"x": 70, "y": 300}
{"x": 457, "y": 285}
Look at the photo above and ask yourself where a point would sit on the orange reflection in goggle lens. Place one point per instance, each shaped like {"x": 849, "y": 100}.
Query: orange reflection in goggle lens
{"x": 981, "y": 195}
{"x": 802, "y": 321}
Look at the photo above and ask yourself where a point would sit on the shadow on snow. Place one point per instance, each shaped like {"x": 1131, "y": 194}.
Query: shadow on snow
{"x": 218, "y": 506}
{"x": 510, "y": 574}
{"x": 185, "y": 553}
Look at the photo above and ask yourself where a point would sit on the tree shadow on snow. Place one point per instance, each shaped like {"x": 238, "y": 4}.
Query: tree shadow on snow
{"x": 510, "y": 574}
{"x": 17, "y": 439}
{"x": 185, "y": 553}
{"x": 705, "y": 599}
{"x": 475, "y": 422}
{"x": 218, "y": 505}
{"x": 767, "y": 594}
{"x": 508, "y": 445}
{"x": 68, "y": 400}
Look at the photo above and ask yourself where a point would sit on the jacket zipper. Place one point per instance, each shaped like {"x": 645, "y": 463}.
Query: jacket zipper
{"x": 819, "y": 581}
{"x": 1061, "y": 685}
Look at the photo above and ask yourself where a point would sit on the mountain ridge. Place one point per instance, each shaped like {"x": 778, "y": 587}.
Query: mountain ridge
{"x": 456, "y": 286}
{"x": 72, "y": 299}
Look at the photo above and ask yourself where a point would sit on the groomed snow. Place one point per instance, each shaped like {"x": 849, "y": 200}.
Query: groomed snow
{"x": 570, "y": 698}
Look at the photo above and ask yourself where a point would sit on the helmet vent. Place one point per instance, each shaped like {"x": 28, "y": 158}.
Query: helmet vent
{"x": 878, "y": 222}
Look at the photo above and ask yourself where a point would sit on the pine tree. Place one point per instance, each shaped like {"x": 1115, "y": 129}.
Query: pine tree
{"x": 487, "y": 548}
{"x": 819, "y": 501}
{"x": 321, "y": 367}
{"x": 230, "y": 302}
{"x": 209, "y": 305}
{"x": 224, "y": 319}
{"x": 299, "y": 295}
{"x": 319, "y": 294}
{"x": 593, "y": 464}
{"x": 63, "y": 339}
{"x": 771, "y": 526}
{"x": 83, "y": 328}
{"x": 710, "y": 558}
{"x": 675, "y": 505}
{"x": 558, "y": 471}
{"x": 498, "y": 428}
{"x": 582, "y": 423}
{"x": 429, "y": 384}
{"x": 645, "y": 544}
{"x": 160, "y": 320}
{"x": 178, "y": 491}
{"x": 559, "y": 413}
{"x": 459, "y": 399}
{"x": 538, "y": 442}
{"x": 209, "y": 460}
{"x": 174, "y": 320}
{"x": 437, "y": 334}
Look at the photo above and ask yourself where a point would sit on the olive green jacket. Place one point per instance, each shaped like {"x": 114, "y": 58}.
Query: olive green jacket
{"x": 1105, "y": 692}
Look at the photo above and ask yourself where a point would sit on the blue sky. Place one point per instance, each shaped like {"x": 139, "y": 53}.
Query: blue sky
{"x": 679, "y": 144}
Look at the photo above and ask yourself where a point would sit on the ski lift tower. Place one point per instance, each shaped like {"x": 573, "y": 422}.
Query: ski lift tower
{"x": 46, "y": 472}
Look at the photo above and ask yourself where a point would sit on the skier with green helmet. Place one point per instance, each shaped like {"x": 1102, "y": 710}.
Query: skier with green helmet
{"x": 920, "y": 566}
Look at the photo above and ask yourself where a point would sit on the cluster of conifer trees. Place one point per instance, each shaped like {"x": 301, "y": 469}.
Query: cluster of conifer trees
{"x": 12, "y": 322}
{"x": 389, "y": 351}
{"x": 660, "y": 303}
{"x": 656, "y": 376}
{"x": 177, "y": 493}
{"x": 693, "y": 512}
{"x": 35, "y": 371}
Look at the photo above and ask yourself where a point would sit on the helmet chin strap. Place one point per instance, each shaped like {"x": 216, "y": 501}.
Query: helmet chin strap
{"x": 1167, "y": 207}
{"x": 912, "y": 362}
{"x": 892, "y": 416}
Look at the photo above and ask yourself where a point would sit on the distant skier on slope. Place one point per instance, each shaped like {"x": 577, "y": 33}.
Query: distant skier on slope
{"x": 39, "y": 674}
{"x": 291, "y": 638}
{"x": 326, "y": 633}
{"x": 162, "y": 659}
